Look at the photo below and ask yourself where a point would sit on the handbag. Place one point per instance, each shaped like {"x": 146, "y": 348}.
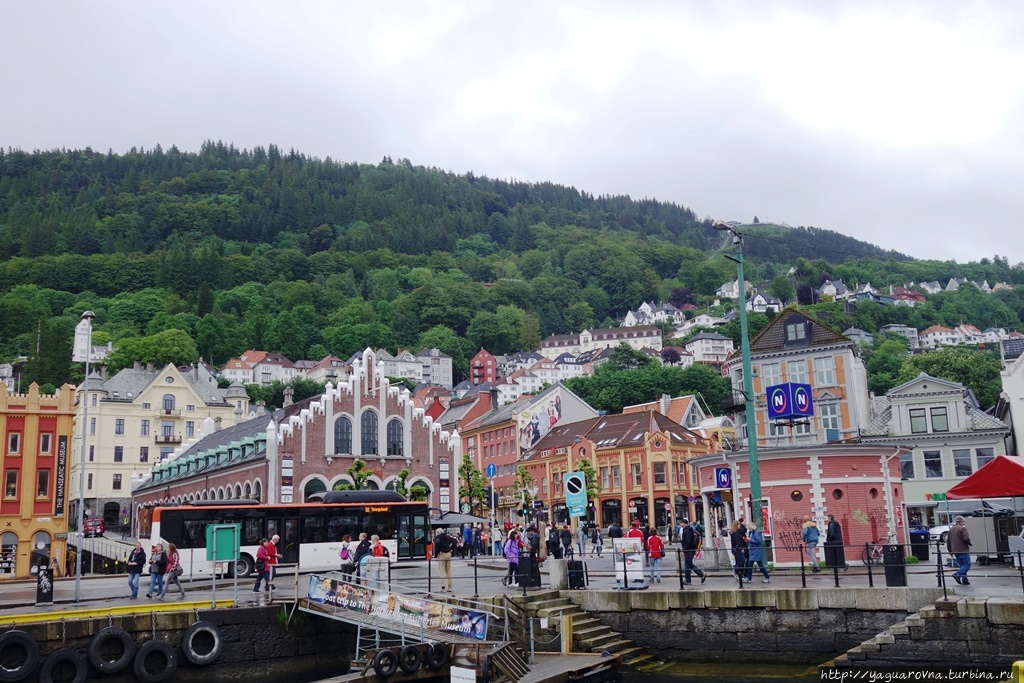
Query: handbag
{"x": 178, "y": 571}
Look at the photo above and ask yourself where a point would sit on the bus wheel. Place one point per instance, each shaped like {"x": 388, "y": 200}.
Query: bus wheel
{"x": 244, "y": 566}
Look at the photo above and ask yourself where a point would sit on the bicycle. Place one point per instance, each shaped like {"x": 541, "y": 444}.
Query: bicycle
{"x": 874, "y": 554}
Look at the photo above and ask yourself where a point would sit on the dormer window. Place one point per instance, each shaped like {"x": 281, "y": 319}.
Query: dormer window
{"x": 798, "y": 331}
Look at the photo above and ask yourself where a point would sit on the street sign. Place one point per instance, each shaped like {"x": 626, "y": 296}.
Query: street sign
{"x": 575, "y": 493}
{"x": 668, "y": 507}
{"x": 723, "y": 477}
{"x": 789, "y": 400}
{"x": 492, "y": 470}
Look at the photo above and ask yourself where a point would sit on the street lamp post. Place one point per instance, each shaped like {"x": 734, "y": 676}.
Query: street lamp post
{"x": 83, "y": 332}
{"x": 748, "y": 383}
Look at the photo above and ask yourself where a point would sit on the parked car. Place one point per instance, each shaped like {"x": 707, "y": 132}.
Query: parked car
{"x": 989, "y": 510}
{"x": 939, "y": 533}
{"x": 94, "y": 527}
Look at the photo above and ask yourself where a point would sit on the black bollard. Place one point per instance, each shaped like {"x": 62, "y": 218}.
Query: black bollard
{"x": 940, "y": 574}
{"x": 803, "y": 567}
{"x": 1020, "y": 568}
{"x": 625, "y": 577}
{"x": 679, "y": 563}
{"x": 871, "y": 578}
{"x": 430, "y": 581}
{"x": 476, "y": 577}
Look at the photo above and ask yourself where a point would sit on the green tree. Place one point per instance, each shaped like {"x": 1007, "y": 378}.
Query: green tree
{"x": 471, "y": 482}
{"x": 359, "y": 472}
{"x": 885, "y": 362}
{"x": 521, "y": 484}
{"x": 976, "y": 369}
{"x": 592, "y": 484}
{"x": 169, "y": 346}
{"x": 782, "y": 288}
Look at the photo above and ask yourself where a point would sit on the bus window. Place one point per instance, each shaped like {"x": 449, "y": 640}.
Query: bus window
{"x": 341, "y": 521}
{"x": 195, "y": 534}
{"x": 381, "y": 524}
{"x": 312, "y": 529}
{"x": 252, "y": 531}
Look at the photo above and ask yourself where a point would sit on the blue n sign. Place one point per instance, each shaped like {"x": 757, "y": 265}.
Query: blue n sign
{"x": 786, "y": 401}
{"x": 723, "y": 478}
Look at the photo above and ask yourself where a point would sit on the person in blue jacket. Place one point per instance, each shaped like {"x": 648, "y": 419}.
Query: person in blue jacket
{"x": 755, "y": 550}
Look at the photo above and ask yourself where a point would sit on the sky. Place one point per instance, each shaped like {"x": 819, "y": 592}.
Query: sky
{"x": 898, "y": 123}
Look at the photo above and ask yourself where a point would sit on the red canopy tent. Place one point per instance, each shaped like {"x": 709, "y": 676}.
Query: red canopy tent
{"x": 1002, "y": 477}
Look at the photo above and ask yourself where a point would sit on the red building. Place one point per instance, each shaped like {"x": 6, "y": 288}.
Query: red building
{"x": 483, "y": 368}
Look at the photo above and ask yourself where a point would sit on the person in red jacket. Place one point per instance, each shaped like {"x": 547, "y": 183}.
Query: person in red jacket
{"x": 655, "y": 551}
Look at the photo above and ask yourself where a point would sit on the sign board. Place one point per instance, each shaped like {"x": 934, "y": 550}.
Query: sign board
{"x": 492, "y": 469}
{"x": 628, "y": 556}
{"x": 575, "y": 493}
{"x": 723, "y": 477}
{"x": 789, "y": 400}
{"x": 60, "y": 491}
{"x": 223, "y": 541}
{"x": 466, "y": 508}
{"x": 460, "y": 674}
{"x": 668, "y": 507}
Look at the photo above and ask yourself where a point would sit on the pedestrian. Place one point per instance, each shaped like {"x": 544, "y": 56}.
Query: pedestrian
{"x": 552, "y": 544}
{"x": 636, "y": 532}
{"x": 614, "y": 531}
{"x": 345, "y": 554}
{"x": 596, "y": 544}
{"x": 835, "y": 555}
{"x": 810, "y": 538}
{"x": 566, "y": 537}
{"x": 157, "y": 567}
{"x": 478, "y": 544}
{"x": 136, "y": 562}
{"x": 533, "y": 538}
{"x": 655, "y": 551}
{"x": 498, "y": 544}
{"x": 958, "y": 542}
{"x": 690, "y": 542}
{"x": 755, "y": 553}
{"x": 581, "y": 538}
{"x": 262, "y": 566}
{"x": 738, "y": 539}
{"x": 362, "y": 548}
{"x": 467, "y": 541}
{"x": 174, "y": 570}
{"x": 511, "y": 552}
{"x": 444, "y": 546}
{"x": 274, "y": 557}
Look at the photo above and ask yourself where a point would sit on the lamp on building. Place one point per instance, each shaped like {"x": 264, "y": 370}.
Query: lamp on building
{"x": 748, "y": 382}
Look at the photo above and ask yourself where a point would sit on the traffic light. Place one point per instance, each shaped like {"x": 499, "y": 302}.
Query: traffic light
{"x": 489, "y": 496}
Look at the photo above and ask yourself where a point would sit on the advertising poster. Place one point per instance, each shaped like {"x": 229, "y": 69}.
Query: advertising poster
{"x": 413, "y": 611}
{"x": 537, "y": 420}
{"x": 631, "y": 570}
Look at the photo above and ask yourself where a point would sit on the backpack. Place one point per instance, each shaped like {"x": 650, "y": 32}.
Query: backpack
{"x": 594, "y": 535}
{"x": 344, "y": 552}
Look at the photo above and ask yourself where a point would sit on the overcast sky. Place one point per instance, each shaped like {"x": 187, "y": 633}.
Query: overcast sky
{"x": 897, "y": 123}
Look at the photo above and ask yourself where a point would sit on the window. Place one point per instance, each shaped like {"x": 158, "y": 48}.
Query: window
{"x": 88, "y": 482}
{"x": 11, "y": 484}
{"x": 829, "y": 414}
{"x": 604, "y": 477}
{"x": 659, "y": 473}
{"x": 117, "y": 482}
{"x": 907, "y": 466}
{"x": 797, "y": 370}
{"x": 962, "y": 462}
{"x": 94, "y": 399}
{"x": 825, "y": 372}
{"x": 933, "y": 464}
{"x": 166, "y": 429}
{"x": 119, "y": 426}
{"x": 342, "y": 435}
{"x": 369, "y": 433}
{"x": 190, "y": 429}
{"x": 92, "y": 452}
{"x": 165, "y": 452}
{"x": 43, "y": 484}
{"x": 940, "y": 421}
{"x": 796, "y": 331}
{"x": 13, "y": 442}
{"x": 918, "y": 421}
{"x": 45, "y": 443}
{"x": 616, "y": 477}
{"x": 144, "y": 454}
{"x": 771, "y": 374}
{"x": 118, "y": 453}
{"x": 146, "y": 406}
{"x": 984, "y": 456}
{"x": 681, "y": 473}
{"x": 92, "y": 425}
{"x": 638, "y": 479}
{"x": 168, "y": 402}
{"x": 190, "y": 408}
{"x": 145, "y": 428}
{"x": 396, "y": 438}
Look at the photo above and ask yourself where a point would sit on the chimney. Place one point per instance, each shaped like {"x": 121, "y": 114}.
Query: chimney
{"x": 103, "y": 372}
{"x": 494, "y": 398}
{"x": 216, "y": 424}
{"x": 288, "y": 393}
{"x": 137, "y": 365}
{"x": 149, "y": 367}
{"x": 666, "y": 401}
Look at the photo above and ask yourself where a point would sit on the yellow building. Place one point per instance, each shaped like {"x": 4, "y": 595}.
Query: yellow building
{"x": 37, "y": 452}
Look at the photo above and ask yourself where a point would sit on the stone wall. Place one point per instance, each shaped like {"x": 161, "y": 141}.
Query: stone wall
{"x": 782, "y": 625}
{"x": 981, "y": 631}
{"x": 257, "y": 646}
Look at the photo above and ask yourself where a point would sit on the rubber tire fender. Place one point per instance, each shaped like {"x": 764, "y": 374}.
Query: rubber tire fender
{"x": 23, "y": 640}
{"x": 385, "y": 663}
{"x": 188, "y": 643}
{"x": 104, "y": 665}
{"x": 156, "y": 647}
{"x": 65, "y": 655}
{"x": 437, "y": 656}
{"x": 410, "y": 659}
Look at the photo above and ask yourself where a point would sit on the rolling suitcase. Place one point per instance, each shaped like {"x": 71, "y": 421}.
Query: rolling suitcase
{"x": 578, "y": 578}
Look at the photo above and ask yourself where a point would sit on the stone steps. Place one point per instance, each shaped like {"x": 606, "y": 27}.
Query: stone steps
{"x": 614, "y": 646}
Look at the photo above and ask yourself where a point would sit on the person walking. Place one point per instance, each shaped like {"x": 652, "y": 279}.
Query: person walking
{"x": 581, "y": 538}
{"x": 958, "y": 542}
{"x": 262, "y": 566}
{"x": 738, "y": 539}
{"x": 136, "y": 562}
{"x": 596, "y": 544}
{"x": 635, "y": 532}
{"x": 362, "y": 548}
{"x": 174, "y": 570}
{"x": 157, "y": 568}
{"x": 809, "y": 534}
{"x": 835, "y": 555}
{"x": 467, "y": 541}
{"x": 498, "y": 543}
{"x": 755, "y": 553}
{"x": 690, "y": 541}
{"x": 566, "y": 537}
{"x": 655, "y": 551}
{"x": 614, "y": 531}
{"x": 345, "y": 556}
{"x": 511, "y": 552}
{"x": 445, "y": 545}
{"x": 274, "y": 555}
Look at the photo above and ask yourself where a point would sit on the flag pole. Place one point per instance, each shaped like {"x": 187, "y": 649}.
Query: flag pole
{"x": 84, "y": 330}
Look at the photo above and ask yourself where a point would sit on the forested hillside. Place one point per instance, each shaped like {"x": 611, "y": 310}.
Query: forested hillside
{"x": 206, "y": 254}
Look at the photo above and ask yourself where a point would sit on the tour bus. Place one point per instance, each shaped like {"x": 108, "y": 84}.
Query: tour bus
{"x": 311, "y": 533}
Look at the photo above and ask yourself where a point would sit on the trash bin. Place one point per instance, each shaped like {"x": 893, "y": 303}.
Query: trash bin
{"x": 919, "y": 544}
{"x": 895, "y": 568}
{"x": 527, "y": 573}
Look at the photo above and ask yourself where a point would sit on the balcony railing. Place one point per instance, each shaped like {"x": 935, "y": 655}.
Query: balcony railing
{"x": 168, "y": 438}
{"x": 168, "y": 412}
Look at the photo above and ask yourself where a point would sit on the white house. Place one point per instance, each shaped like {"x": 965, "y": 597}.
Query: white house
{"x": 648, "y": 314}
{"x": 709, "y": 347}
{"x": 969, "y": 334}
{"x": 904, "y": 331}
{"x": 938, "y": 336}
{"x": 764, "y": 303}
{"x": 700, "y": 320}
{"x": 836, "y": 290}
{"x": 731, "y": 290}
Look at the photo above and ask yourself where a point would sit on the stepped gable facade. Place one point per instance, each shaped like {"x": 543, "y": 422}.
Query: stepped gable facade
{"x": 364, "y": 417}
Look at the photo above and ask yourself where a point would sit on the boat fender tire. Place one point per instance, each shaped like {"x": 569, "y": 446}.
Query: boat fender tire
{"x": 13, "y": 640}
{"x": 385, "y": 663}
{"x": 202, "y": 643}
{"x": 65, "y": 658}
{"x": 97, "y": 650}
{"x": 155, "y": 661}
{"x": 410, "y": 659}
{"x": 437, "y": 656}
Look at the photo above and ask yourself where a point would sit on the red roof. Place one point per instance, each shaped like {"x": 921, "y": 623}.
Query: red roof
{"x": 1002, "y": 477}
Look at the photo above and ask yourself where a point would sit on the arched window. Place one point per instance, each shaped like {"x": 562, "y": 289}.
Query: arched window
{"x": 369, "y": 429}
{"x": 248, "y": 491}
{"x": 395, "y": 432}
{"x": 238, "y": 490}
{"x": 313, "y": 486}
{"x": 370, "y": 485}
{"x": 168, "y": 403}
{"x": 257, "y": 491}
{"x": 343, "y": 435}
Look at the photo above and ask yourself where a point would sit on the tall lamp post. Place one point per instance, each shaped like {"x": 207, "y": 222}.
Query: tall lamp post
{"x": 748, "y": 382}
{"x": 83, "y": 338}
